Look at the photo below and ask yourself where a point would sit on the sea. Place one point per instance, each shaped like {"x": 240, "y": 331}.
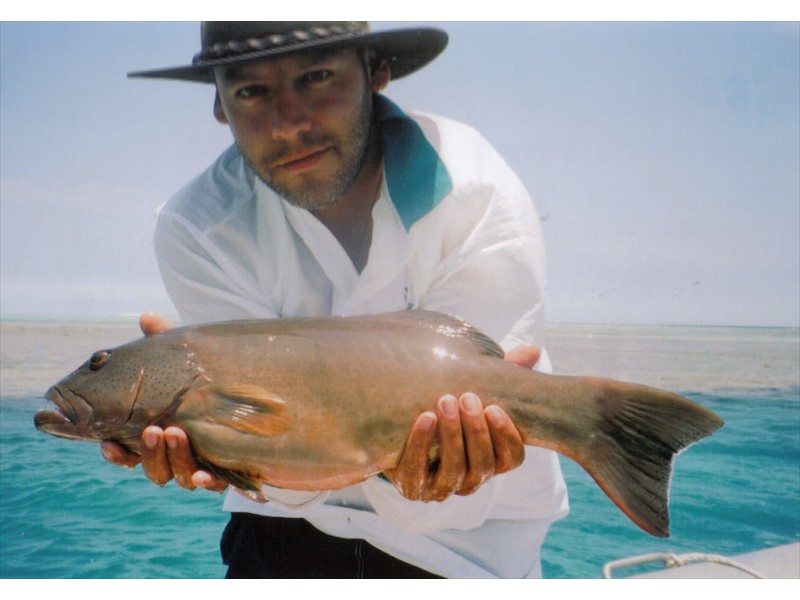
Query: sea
{"x": 66, "y": 513}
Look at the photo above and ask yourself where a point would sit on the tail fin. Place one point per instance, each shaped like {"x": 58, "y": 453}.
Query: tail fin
{"x": 639, "y": 432}
{"x": 626, "y": 438}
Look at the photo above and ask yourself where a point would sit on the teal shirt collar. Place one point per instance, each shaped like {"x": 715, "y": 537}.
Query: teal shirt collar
{"x": 415, "y": 174}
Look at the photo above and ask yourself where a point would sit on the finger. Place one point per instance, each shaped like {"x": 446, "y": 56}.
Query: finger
{"x": 180, "y": 456}
{"x": 509, "y": 447}
{"x": 152, "y": 324}
{"x": 207, "y": 481}
{"x": 478, "y": 443}
{"x": 524, "y": 356}
{"x": 116, "y": 454}
{"x": 452, "y": 459}
{"x": 410, "y": 475}
{"x": 155, "y": 463}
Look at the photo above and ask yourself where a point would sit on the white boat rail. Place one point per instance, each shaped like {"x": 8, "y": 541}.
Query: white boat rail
{"x": 676, "y": 560}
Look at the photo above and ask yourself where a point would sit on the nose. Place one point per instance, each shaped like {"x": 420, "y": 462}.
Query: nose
{"x": 290, "y": 115}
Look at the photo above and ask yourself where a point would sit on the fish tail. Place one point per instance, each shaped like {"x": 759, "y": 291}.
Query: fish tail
{"x": 626, "y": 438}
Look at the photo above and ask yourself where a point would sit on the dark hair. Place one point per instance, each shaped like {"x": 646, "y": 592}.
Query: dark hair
{"x": 369, "y": 58}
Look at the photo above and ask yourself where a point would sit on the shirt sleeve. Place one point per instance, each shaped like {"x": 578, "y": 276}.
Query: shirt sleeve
{"x": 196, "y": 278}
{"x": 489, "y": 270}
{"x": 204, "y": 291}
{"x": 494, "y": 275}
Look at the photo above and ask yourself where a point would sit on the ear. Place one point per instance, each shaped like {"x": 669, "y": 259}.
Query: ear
{"x": 379, "y": 76}
{"x": 219, "y": 112}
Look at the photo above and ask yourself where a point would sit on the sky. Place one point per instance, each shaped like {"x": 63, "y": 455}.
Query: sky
{"x": 663, "y": 159}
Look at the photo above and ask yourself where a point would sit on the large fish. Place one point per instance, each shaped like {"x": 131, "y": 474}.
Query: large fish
{"x": 324, "y": 403}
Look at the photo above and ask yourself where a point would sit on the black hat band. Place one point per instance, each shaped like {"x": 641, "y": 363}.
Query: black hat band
{"x": 222, "y": 50}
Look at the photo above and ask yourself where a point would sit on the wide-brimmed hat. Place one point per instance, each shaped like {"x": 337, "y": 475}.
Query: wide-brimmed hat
{"x": 231, "y": 42}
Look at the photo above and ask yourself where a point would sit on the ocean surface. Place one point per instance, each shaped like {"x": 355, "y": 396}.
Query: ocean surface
{"x": 66, "y": 513}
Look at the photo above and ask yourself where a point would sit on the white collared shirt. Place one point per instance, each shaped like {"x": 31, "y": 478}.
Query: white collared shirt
{"x": 458, "y": 235}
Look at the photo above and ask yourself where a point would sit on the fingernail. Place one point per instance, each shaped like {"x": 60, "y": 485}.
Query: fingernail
{"x": 449, "y": 405}
{"x": 150, "y": 439}
{"x": 427, "y": 420}
{"x": 106, "y": 452}
{"x": 493, "y": 414}
{"x": 171, "y": 442}
{"x": 471, "y": 403}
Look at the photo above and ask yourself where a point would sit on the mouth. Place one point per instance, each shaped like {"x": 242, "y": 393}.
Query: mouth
{"x": 302, "y": 161}
{"x": 61, "y": 420}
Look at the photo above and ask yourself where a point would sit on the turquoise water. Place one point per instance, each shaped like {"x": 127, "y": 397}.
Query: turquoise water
{"x": 736, "y": 492}
{"x": 67, "y": 513}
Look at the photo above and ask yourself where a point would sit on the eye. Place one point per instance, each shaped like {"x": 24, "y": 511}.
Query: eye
{"x": 317, "y": 76}
{"x": 251, "y": 91}
{"x": 98, "y": 359}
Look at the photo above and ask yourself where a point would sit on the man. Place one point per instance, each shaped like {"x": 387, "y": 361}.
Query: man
{"x": 334, "y": 201}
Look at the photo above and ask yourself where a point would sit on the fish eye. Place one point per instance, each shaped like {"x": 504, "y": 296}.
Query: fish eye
{"x": 98, "y": 359}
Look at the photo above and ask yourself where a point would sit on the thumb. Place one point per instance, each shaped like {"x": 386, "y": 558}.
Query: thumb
{"x": 524, "y": 356}
{"x": 152, "y": 324}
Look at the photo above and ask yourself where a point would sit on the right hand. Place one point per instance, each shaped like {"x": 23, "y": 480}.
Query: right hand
{"x": 166, "y": 454}
{"x": 475, "y": 443}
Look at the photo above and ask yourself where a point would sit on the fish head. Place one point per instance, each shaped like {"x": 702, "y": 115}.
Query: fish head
{"x": 118, "y": 392}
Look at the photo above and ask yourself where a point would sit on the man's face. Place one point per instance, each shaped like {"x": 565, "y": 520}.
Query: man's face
{"x": 301, "y": 121}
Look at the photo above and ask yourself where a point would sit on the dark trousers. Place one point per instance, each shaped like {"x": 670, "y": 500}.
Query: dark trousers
{"x": 256, "y": 547}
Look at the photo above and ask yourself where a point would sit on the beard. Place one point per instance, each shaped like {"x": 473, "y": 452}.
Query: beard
{"x": 313, "y": 192}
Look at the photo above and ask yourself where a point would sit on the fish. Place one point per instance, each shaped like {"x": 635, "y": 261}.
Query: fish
{"x": 327, "y": 402}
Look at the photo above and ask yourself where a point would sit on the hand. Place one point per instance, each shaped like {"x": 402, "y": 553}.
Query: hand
{"x": 166, "y": 454}
{"x": 474, "y": 444}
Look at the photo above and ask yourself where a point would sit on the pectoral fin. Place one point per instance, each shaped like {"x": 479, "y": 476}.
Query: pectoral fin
{"x": 243, "y": 407}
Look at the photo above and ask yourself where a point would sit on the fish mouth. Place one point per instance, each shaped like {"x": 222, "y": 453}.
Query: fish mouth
{"x": 69, "y": 416}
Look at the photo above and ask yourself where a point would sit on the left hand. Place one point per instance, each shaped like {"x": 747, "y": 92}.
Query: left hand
{"x": 166, "y": 454}
{"x": 475, "y": 443}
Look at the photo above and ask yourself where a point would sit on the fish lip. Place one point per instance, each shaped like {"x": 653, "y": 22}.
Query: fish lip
{"x": 59, "y": 420}
{"x": 57, "y": 396}
{"x": 71, "y": 413}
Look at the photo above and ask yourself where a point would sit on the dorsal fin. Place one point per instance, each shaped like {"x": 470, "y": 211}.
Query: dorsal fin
{"x": 448, "y": 326}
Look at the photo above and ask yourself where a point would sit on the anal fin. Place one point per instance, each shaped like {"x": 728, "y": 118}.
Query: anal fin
{"x": 248, "y": 485}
